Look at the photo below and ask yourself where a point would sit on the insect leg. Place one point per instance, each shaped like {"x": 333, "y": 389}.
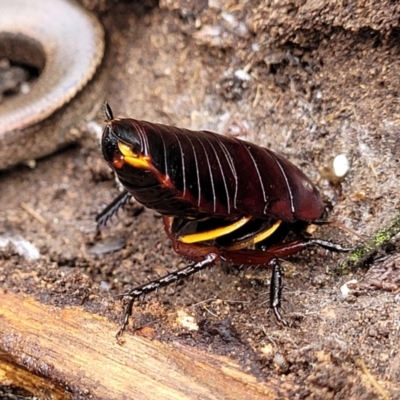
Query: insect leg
{"x": 270, "y": 258}
{"x": 290, "y": 248}
{"x": 329, "y": 245}
{"x": 276, "y": 292}
{"x": 103, "y": 217}
{"x": 154, "y": 285}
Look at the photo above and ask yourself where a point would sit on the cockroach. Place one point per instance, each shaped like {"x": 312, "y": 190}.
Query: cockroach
{"x": 221, "y": 198}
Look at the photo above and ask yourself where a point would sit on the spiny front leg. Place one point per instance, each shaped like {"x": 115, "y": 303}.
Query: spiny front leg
{"x": 103, "y": 217}
{"x": 154, "y": 285}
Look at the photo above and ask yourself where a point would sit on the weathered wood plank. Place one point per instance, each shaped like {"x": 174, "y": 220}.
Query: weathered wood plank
{"x": 78, "y": 350}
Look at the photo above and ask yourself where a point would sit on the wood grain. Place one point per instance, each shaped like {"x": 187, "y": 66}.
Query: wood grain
{"x": 78, "y": 351}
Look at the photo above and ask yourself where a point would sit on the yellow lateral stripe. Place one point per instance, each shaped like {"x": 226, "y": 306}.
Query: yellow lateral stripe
{"x": 255, "y": 239}
{"x": 215, "y": 233}
{"x": 264, "y": 234}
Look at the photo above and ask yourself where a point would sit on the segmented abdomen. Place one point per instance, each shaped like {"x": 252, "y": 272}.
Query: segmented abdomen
{"x": 227, "y": 177}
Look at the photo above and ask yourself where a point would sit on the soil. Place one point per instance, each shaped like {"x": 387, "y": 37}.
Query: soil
{"x": 308, "y": 91}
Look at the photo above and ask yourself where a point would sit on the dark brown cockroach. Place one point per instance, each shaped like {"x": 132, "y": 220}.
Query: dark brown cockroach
{"x": 221, "y": 198}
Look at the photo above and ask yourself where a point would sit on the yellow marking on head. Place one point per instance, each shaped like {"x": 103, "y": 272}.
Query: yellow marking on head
{"x": 135, "y": 160}
{"x": 126, "y": 150}
{"x": 214, "y": 233}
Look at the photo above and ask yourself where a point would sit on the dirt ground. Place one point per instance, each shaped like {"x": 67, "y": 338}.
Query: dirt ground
{"x": 308, "y": 90}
